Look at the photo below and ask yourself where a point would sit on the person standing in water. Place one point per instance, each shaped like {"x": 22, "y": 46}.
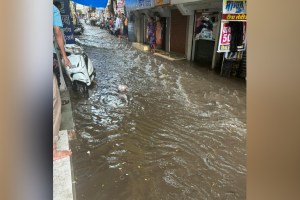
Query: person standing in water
{"x": 151, "y": 33}
{"x": 57, "y": 24}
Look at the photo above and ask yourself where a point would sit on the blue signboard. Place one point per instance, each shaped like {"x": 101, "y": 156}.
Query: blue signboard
{"x": 131, "y": 4}
{"x": 141, "y": 3}
{"x": 67, "y": 21}
{"x": 145, "y": 3}
{"x": 148, "y": 3}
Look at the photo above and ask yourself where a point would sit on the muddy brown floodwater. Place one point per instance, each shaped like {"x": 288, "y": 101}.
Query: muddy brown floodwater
{"x": 178, "y": 133}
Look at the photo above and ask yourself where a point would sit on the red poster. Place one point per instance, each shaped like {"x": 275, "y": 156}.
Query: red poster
{"x": 225, "y": 37}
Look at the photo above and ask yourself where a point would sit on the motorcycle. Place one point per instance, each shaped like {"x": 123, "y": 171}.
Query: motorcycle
{"x": 102, "y": 25}
{"x": 98, "y": 23}
{"x": 113, "y": 30}
{"x": 82, "y": 72}
{"x": 78, "y": 29}
{"x": 88, "y": 22}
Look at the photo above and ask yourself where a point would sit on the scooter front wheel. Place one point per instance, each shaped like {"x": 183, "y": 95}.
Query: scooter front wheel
{"x": 80, "y": 87}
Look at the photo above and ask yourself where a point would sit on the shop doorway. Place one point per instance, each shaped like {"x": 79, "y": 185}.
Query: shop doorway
{"x": 206, "y": 34}
{"x": 178, "y": 32}
{"x": 161, "y": 26}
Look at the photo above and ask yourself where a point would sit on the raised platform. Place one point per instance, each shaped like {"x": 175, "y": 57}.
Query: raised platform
{"x": 169, "y": 55}
{"x": 62, "y": 173}
{"x": 140, "y": 46}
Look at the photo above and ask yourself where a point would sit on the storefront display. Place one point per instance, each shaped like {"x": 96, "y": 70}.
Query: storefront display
{"x": 232, "y": 36}
{"x": 205, "y": 33}
{"x": 232, "y": 40}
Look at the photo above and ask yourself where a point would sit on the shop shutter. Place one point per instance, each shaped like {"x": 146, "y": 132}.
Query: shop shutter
{"x": 243, "y": 66}
{"x": 178, "y": 32}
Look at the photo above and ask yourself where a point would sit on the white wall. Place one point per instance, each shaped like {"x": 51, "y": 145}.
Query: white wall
{"x": 168, "y": 22}
{"x": 189, "y": 37}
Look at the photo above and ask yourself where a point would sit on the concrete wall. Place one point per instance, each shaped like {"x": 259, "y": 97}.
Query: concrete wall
{"x": 217, "y": 55}
{"x": 189, "y": 37}
{"x": 168, "y": 34}
{"x": 137, "y": 27}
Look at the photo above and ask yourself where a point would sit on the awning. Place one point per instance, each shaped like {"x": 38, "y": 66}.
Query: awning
{"x": 92, "y": 3}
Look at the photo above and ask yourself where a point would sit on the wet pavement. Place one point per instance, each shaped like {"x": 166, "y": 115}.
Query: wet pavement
{"x": 178, "y": 133}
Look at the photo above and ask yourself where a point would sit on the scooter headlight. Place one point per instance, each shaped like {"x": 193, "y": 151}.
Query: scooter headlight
{"x": 77, "y": 51}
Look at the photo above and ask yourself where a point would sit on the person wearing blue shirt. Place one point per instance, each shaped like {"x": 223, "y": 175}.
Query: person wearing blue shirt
{"x": 57, "y": 24}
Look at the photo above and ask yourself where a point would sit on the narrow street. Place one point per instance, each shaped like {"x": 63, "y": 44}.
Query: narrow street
{"x": 178, "y": 133}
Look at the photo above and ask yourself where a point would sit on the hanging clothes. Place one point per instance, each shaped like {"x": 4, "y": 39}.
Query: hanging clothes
{"x": 236, "y": 35}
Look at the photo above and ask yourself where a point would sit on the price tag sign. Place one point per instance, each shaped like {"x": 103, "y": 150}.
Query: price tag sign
{"x": 225, "y": 38}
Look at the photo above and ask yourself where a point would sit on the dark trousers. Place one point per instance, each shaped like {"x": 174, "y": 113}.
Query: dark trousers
{"x": 125, "y": 30}
{"x": 56, "y": 70}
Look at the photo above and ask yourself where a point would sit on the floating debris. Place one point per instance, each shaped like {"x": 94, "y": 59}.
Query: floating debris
{"x": 123, "y": 88}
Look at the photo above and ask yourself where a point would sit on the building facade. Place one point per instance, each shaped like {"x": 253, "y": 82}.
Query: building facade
{"x": 176, "y": 25}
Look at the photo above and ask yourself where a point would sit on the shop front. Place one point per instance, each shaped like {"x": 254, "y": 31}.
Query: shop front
{"x": 178, "y": 32}
{"x": 232, "y": 40}
{"x": 205, "y": 36}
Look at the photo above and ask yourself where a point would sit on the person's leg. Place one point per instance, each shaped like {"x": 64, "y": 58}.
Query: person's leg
{"x": 126, "y": 32}
{"x": 56, "y": 121}
{"x": 154, "y": 42}
{"x": 56, "y": 69}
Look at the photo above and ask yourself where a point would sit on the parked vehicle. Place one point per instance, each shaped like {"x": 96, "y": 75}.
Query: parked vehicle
{"x": 102, "y": 24}
{"x": 98, "y": 23}
{"x": 113, "y": 30}
{"x": 78, "y": 30}
{"x": 82, "y": 71}
{"x": 87, "y": 21}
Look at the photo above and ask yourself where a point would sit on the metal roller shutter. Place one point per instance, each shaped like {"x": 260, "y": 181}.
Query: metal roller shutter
{"x": 178, "y": 32}
{"x": 243, "y": 66}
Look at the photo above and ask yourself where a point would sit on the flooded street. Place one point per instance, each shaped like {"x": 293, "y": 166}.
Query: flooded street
{"x": 178, "y": 133}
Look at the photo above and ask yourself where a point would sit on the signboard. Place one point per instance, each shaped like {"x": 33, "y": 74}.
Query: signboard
{"x": 234, "y": 6}
{"x": 120, "y": 3}
{"x": 131, "y": 4}
{"x": 67, "y": 22}
{"x": 234, "y": 17}
{"x": 120, "y": 6}
{"x": 145, "y": 3}
{"x": 161, "y": 2}
{"x": 233, "y": 10}
{"x": 141, "y": 3}
{"x": 204, "y": 27}
{"x": 225, "y": 38}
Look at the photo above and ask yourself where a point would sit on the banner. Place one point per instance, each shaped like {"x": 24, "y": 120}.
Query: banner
{"x": 225, "y": 38}
{"x": 161, "y": 2}
{"x": 234, "y": 17}
{"x": 234, "y": 6}
{"x": 233, "y": 10}
{"x": 145, "y": 3}
{"x": 131, "y": 4}
{"x": 120, "y": 6}
{"x": 67, "y": 22}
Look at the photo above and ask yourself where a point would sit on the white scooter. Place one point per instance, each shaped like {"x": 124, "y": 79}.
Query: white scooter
{"x": 82, "y": 71}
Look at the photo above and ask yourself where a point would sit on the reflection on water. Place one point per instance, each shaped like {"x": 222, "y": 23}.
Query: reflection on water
{"x": 178, "y": 133}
